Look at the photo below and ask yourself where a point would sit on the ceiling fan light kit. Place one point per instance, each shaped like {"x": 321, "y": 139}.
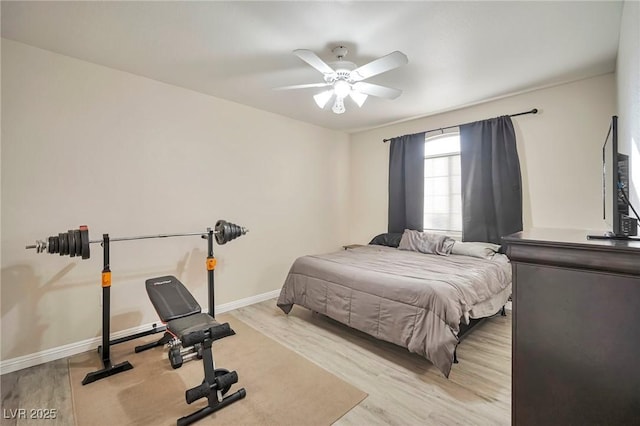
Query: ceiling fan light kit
{"x": 338, "y": 105}
{"x": 345, "y": 78}
{"x": 323, "y": 97}
{"x": 358, "y": 97}
{"x": 341, "y": 88}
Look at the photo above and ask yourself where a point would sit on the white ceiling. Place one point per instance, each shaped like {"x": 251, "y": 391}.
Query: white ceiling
{"x": 460, "y": 53}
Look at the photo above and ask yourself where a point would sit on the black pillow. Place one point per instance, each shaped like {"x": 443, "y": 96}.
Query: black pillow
{"x": 389, "y": 239}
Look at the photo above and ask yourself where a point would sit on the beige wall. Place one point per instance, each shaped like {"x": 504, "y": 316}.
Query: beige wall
{"x": 628, "y": 83}
{"x": 559, "y": 149}
{"x": 85, "y": 144}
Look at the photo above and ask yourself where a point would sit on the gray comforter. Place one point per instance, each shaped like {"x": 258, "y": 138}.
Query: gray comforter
{"x": 412, "y": 299}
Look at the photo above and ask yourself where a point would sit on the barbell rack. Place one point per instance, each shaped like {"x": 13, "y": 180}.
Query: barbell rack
{"x": 223, "y": 233}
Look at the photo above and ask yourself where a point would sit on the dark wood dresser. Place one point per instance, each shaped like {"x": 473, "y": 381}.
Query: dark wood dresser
{"x": 576, "y": 329}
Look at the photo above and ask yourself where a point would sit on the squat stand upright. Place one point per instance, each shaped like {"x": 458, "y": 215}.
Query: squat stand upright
{"x": 109, "y": 369}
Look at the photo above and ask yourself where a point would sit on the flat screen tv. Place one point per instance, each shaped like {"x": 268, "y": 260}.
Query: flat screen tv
{"x": 615, "y": 184}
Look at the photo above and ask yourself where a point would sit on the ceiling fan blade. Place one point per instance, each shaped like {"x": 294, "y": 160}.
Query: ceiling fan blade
{"x": 312, "y": 59}
{"x": 380, "y": 65}
{"x": 303, "y": 86}
{"x": 377, "y": 90}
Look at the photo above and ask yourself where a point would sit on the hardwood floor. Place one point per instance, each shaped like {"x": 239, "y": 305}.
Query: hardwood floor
{"x": 403, "y": 388}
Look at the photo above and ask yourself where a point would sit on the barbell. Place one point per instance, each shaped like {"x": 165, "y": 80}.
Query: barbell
{"x": 76, "y": 242}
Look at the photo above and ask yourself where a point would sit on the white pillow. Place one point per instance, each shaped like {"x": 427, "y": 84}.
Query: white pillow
{"x": 475, "y": 249}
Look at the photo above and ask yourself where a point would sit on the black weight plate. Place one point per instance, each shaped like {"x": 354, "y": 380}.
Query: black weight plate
{"x": 56, "y": 244}
{"x": 220, "y": 232}
{"x": 64, "y": 243}
{"x": 50, "y": 245}
{"x": 65, "y": 236}
{"x": 72, "y": 243}
{"x": 76, "y": 234}
{"x": 84, "y": 242}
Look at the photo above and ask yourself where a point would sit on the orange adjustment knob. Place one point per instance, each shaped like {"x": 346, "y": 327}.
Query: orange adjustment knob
{"x": 211, "y": 264}
{"x": 106, "y": 279}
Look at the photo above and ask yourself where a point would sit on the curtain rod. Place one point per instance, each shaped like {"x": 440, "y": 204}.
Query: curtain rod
{"x": 533, "y": 111}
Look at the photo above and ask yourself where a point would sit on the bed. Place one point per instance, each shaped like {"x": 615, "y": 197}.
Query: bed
{"x": 415, "y": 300}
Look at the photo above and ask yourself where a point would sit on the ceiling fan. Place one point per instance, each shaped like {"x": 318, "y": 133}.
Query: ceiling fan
{"x": 345, "y": 78}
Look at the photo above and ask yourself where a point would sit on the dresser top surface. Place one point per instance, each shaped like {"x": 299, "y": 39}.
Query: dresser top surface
{"x": 569, "y": 237}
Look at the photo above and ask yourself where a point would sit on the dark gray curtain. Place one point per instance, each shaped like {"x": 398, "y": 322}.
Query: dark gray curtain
{"x": 406, "y": 183}
{"x": 491, "y": 180}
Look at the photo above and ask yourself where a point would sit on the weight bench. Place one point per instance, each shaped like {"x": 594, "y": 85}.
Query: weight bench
{"x": 189, "y": 335}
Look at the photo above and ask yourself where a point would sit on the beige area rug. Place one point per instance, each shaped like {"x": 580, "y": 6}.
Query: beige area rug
{"x": 283, "y": 388}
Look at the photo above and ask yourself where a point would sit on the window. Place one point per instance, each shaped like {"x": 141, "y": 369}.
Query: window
{"x": 442, "y": 187}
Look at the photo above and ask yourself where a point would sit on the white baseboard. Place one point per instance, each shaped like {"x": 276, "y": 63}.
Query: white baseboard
{"x": 226, "y": 307}
{"x": 15, "y": 364}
